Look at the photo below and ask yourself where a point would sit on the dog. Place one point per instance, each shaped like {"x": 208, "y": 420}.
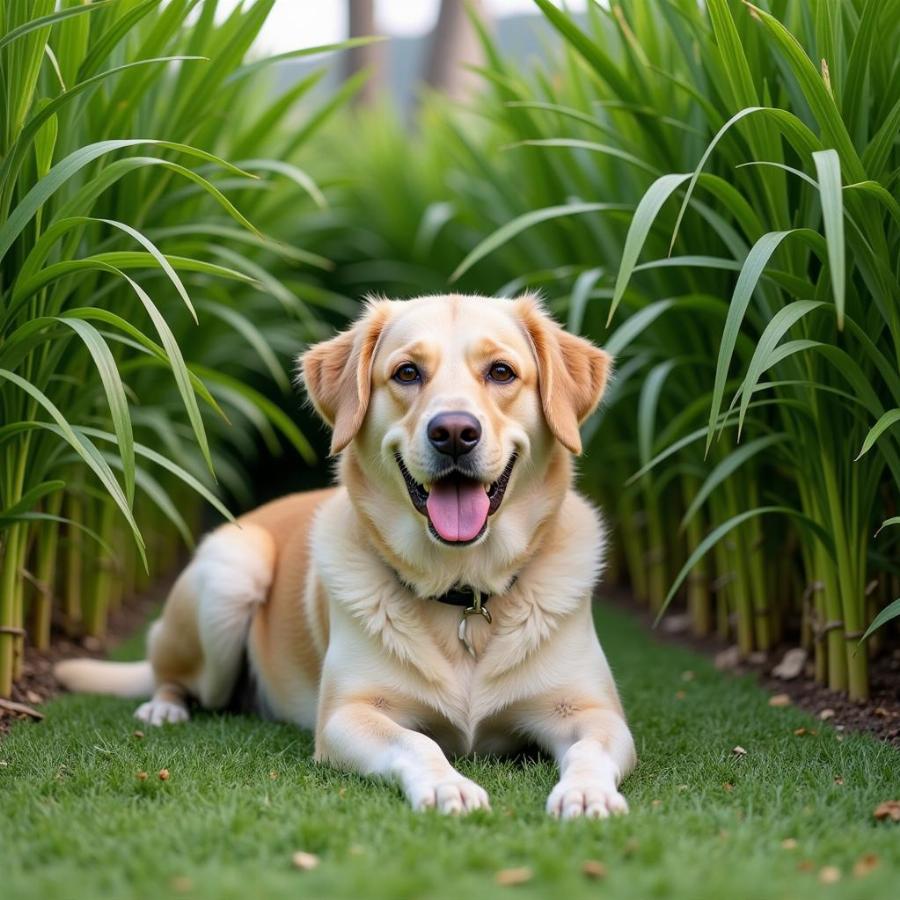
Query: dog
{"x": 437, "y": 602}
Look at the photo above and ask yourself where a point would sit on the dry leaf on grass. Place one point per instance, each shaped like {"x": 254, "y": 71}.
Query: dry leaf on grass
{"x": 139, "y": 735}
{"x": 838, "y": 779}
{"x": 728, "y": 659}
{"x": 163, "y": 774}
{"x": 791, "y": 664}
{"x": 829, "y": 875}
{"x": 826, "y": 714}
{"x": 593, "y": 868}
{"x": 889, "y": 810}
{"x": 141, "y": 776}
{"x": 801, "y": 732}
{"x": 780, "y": 700}
{"x": 866, "y": 864}
{"x": 739, "y": 751}
{"x": 512, "y": 877}
{"x": 789, "y": 844}
{"x": 304, "y": 861}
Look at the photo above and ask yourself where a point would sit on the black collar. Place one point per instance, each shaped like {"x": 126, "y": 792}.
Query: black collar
{"x": 459, "y": 596}
{"x": 463, "y": 595}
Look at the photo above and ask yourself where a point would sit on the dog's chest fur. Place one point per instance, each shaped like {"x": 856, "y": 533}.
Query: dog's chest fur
{"x": 412, "y": 647}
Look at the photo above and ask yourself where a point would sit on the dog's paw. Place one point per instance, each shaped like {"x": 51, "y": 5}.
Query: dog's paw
{"x": 455, "y": 795}
{"x": 573, "y": 798}
{"x": 158, "y": 712}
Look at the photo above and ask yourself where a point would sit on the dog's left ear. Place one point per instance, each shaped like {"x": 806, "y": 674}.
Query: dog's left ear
{"x": 338, "y": 374}
{"x": 572, "y": 373}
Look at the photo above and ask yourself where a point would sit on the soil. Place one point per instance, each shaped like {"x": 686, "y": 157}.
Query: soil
{"x": 878, "y": 716}
{"x": 37, "y": 684}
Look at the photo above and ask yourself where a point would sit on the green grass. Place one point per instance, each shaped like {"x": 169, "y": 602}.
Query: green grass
{"x": 80, "y": 824}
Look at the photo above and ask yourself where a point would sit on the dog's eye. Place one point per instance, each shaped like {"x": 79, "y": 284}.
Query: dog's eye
{"x": 407, "y": 374}
{"x": 501, "y": 373}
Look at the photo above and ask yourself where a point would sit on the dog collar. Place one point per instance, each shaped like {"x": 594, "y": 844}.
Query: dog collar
{"x": 459, "y": 596}
{"x": 472, "y": 603}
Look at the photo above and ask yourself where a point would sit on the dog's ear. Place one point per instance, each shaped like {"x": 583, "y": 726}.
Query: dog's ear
{"x": 572, "y": 372}
{"x": 337, "y": 374}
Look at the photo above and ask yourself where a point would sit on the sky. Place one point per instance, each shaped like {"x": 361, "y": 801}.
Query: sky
{"x": 308, "y": 23}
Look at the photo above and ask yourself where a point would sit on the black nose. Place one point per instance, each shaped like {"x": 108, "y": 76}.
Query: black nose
{"x": 454, "y": 433}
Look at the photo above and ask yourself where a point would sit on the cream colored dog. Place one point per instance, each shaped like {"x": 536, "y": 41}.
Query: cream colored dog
{"x": 439, "y": 600}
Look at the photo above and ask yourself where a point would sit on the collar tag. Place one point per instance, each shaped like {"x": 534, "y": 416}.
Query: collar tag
{"x": 476, "y": 609}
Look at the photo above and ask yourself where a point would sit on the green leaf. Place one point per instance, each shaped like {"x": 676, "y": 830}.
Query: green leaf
{"x": 891, "y": 611}
{"x": 891, "y": 417}
{"x": 828, "y": 168}
{"x": 508, "y": 231}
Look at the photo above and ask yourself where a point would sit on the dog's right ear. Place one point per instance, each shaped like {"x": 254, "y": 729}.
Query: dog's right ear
{"x": 337, "y": 374}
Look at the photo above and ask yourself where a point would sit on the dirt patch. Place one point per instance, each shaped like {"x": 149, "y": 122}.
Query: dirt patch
{"x": 37, "y": 684}
{"x": 879, "y": 716}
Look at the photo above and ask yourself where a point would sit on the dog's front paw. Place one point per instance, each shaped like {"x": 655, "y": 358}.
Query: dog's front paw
{"x": 455, "y": 795}
{"x": 573, "y": 798}
{"x": 159, "y": 712}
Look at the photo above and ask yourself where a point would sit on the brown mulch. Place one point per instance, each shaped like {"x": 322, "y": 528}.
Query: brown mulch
{"x": 879, "y": 716}
{"x": 37, "y": 684}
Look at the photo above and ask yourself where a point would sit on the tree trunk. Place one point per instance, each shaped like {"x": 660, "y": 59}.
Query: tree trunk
{"x": 361, "y": 16}
{"x": 454, "y": 45}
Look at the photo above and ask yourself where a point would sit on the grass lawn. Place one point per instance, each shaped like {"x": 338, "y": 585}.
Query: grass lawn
{"x": 243, "y": 796}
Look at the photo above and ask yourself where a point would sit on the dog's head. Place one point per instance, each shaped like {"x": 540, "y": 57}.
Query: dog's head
{"x": 453, "y": 404}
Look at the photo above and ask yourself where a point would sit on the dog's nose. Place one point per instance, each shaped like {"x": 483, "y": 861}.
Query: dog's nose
{"x": 454, "y": 433}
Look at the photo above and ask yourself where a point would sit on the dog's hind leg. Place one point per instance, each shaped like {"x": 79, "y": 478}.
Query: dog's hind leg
{"x": 197, "y": 647}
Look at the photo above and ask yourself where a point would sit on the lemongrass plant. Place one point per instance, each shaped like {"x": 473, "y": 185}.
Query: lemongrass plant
{"x": 149, "y": 302}
{"x": 709, "y": 190}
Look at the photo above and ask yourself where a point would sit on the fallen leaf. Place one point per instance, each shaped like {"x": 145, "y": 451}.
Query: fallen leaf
{"x": 138, "y": 734}
{"x": 728, "y": 659}
{"x": 838, "y": 779}
{"x": 865, "y": 865}
{"x": 805, "y": 865}
{"x": 303, "y": 861}
{"x": 512, "y": 877}
{"x": 826, "y": 714}
{"x": 791, "y": 664}
{"x": 728, "y": 786}
{"x": 780, "y": 700}
{"x": 800, "y": 732}
{"x": 593, "y": 868}
{"x": 829, "y": 875}
{"x": 35, "y": 697}
{"x": 163, "y": 774}
{"x": 739, "y": 751}
{"x": 890, "y": 809}
{"x": 879, "y": 711}
{"x": 676, "y": 623}
{"x": 142, "y": 776}
{"x": 680, "y": 695}
{"x": 789, "y": 844}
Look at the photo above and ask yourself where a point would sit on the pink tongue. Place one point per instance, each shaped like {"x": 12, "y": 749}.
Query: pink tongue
{"x": 458, "y": 508}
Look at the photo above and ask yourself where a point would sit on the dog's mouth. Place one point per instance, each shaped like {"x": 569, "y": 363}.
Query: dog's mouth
{"x": 456, "y": 505}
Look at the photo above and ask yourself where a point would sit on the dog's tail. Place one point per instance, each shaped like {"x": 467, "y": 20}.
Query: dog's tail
{"x": 94, "y": 676}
